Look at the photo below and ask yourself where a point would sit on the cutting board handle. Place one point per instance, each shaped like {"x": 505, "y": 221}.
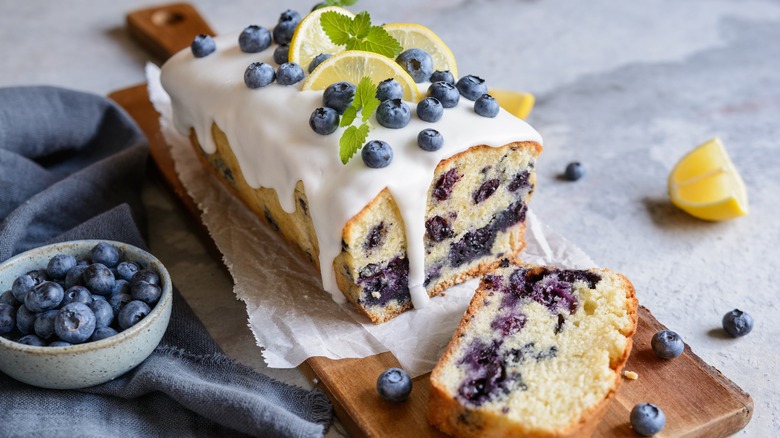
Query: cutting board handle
{"x": 164, "y": 30}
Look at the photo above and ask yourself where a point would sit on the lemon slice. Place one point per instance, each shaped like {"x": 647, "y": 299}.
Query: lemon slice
{"x": 353, "y": 65}
{"x": 309, "y": 40}
{"x": 515, "y": 102}
{"x": 705, "y": 184}
{"x": 415, "y": 36}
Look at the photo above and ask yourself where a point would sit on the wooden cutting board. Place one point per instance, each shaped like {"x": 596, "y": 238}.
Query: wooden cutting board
{"x": 698, "y": 400}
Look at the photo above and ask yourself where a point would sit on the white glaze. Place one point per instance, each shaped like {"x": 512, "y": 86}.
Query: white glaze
{"x": 269, "y": 134}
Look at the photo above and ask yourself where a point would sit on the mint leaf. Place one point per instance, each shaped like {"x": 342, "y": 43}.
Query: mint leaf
{"x": 341, "y": 3}
{"x": 338, "y": 27}
{"x": 369, "y": 108}
{"x": 349, "y": 116}
{"x": 361, "y": 25}
{"x": 365, "y": 98}
{"x": 352, "y": 140}
{"x": 379, "y": 41}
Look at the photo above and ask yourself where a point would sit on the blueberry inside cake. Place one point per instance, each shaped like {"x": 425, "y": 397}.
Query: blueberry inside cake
{"x": 539, "y": 352}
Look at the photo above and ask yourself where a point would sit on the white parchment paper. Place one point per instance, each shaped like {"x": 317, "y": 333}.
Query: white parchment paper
{"x": 291, "y": 317}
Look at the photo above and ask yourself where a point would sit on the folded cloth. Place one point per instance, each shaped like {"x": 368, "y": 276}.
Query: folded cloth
{"x": 71, "y": 167}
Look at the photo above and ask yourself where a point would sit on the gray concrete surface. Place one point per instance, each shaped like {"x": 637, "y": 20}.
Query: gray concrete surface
{"x": 624, "y": 87}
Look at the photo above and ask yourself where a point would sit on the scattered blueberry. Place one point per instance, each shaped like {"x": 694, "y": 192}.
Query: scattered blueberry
{"x": 104, "y": 314}
{"x": 146, "y": 292}
{"x": 394, "y": 385}
{"x": 289, "y": 73}
{"x": 319, "y": 59}
{"x": 285, "y": 28}
{"x": 324, "y": 120}
{"x": 203, "y": 45}
{"x": 418, "y": 63}
{"x": 99, "y": 279}
{"x": 393, "y": 113}
{"x": 74, "y": 276}
{"x": 59, "y": 265}
{"x": 445, "y": 93}
{"x": 101, "y": 333}
{"x": 31, "y": 340}
{"x": 389, "y": 89}
{"x": 119, "y": 301}
{"x": 471, "y": 87}
{"x": 574, "y": 171}
{"x": 254, "y": 39}
{"x": 281, "y": 53}
{"x": 77, "y": 294}
{"x": 126, "y": 270}
{"x": 430, "y": 109}
{"x": 443, "y": 76}
{"x": 258, "y": 75}
{"x": 75, "y": 323}
{"x": 339, "y": 96}
{"x": 667, "y": 344}
{"x": 146, "y": 275}
{"x": 7, "y": 318}
{"x": 377, "y": 154}
{"x": 44, "y": 323}
{"x": 430, "y": 140}
{"x": 131, "y": 313}
{"x": 105, "y": 254}
{"x": 45, "y": 296}
{"x": 486, "y": 106}
{"x": 25, "y": 320}
{"x": 737, "y": 323}
{"x": 647, "y": 419}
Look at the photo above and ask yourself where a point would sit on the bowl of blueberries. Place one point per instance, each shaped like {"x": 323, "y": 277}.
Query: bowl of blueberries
{"x": 80, "y": 313}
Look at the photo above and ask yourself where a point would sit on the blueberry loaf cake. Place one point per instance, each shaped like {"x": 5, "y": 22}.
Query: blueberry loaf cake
{"x": 386, "y": 232}
{"x": 539, "y": 352}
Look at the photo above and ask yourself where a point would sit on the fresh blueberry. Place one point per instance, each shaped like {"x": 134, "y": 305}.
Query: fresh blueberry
{"x": 737, "y": 323}
{"x": 443, "y": 76}
{"x": 103, "y": 333}
{"x": 39, "y": 276}
{"x": 131, "y": 313}
{"x": 146, "y": 292}
{"x": 104, "y": 314}
{"x": 394, "y": 385}
{"x": 77, "y": 294}
{"x": 285, "y": 28}
{"x": 471, "y": 87}
{"x": 254, "y": 39}
{"x": 486, "y": 106}
{"x": 8, "y": 297}
{"x": 393, "y": 113}
{"x": 44, "y": 323}
{"x": 258, "y": 75}
{"x": 25, "y": 320}
{"x": 281, "y": 53}
{"x": 21, "y": 285}
{"x": 203, "y": 45}
{"x": 377, "y": 154}
{"x": 418, "y": 63}
{"x": 119, "y": 301}
{"x": 430, "y": 109}
{"x": 430, "y": 140}
{"x": 105, "y": 254}
{"x": 59, "y": 265}
{"x": 445, "y": 93}
{"x": 339, "y": 96}
{"x": 60, "y": 344}
{"x": 289, "y": 73}
{"x": 146, "y": 275}
{"x": 389, "y": 89}
{"x": 126, "y": 270}
{"x": 75, "y": 323}
{"x": 319, "y": 59}
{"x": 99, "y": 279}
{"x": 45, "y": 296}
{"x": 574, "y": 171}
{"x": 667, "y": 344}
{"x": 120, "y": 287}
{"x": 7, "y": 318}
{"x": 74, "y": 277}
{"x": 31, "y": 340}
{"x": 324, "y": 120}
{"x": 647, "y": 419}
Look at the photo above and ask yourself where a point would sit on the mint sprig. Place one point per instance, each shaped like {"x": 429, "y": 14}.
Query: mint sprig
{"x": 355, "y": 136}
{"x": 358, "y": 34}
{"x": 341, "y": 3}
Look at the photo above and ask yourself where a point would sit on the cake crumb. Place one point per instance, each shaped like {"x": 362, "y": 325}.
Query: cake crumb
{"x": 630, "y": 375}
{"x": 376, "y": 294}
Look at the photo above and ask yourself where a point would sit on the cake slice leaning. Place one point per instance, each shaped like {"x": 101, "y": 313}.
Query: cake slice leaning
{"x": 538, "y": 353}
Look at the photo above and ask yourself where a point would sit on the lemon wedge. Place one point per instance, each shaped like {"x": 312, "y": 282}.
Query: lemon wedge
{"x": 415, "y": 36}
{"x": 705, "y": 184}
{"x": 515, "y": 102}
{"x": 353, "y": 65}
{"x": 309, "y": 40}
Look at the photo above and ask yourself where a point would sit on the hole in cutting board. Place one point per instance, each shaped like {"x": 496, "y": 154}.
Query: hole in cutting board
{"x": 167, "y": 18}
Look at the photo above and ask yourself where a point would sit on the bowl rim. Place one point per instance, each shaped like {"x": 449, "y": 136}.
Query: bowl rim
{"x": 166, "y": 300}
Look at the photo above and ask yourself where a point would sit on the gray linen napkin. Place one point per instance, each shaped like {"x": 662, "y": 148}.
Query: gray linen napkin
{"x": 71, "y": 167}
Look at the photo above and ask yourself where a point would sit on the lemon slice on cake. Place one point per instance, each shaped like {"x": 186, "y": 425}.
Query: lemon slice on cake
{"x": 309, "y": 40}
{"x": 415, "y": 36}
{"x": 515, "y": 102}
{"x": 705, "y": 184}
{"x": 352, "y": 65}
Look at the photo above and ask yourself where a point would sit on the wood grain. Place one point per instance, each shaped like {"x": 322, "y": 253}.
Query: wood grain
{"x": 697, "y": 399}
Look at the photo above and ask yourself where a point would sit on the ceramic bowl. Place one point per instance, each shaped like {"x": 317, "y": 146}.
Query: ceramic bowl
{"x": 90, "y": 363}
